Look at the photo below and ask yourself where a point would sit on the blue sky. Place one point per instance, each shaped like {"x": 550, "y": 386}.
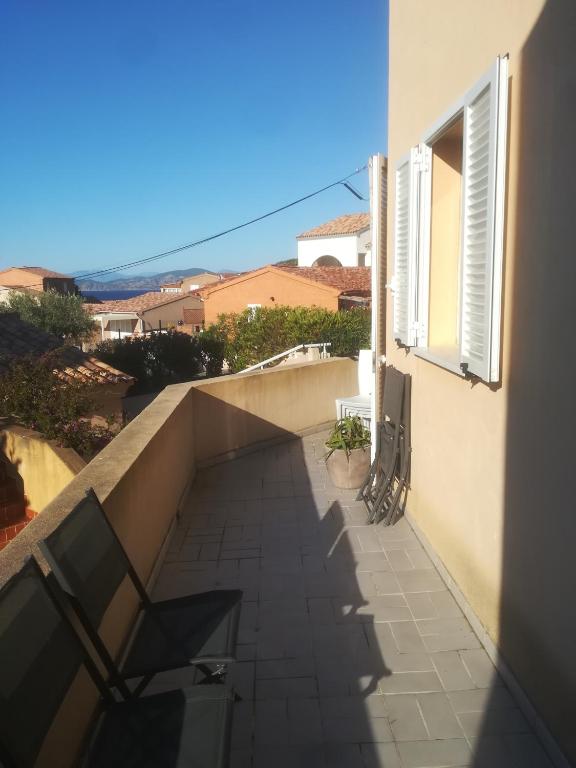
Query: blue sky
{"x": 133, "y": 127}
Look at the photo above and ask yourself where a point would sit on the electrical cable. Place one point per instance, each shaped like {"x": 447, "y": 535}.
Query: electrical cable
{"x": 208, "y": 239}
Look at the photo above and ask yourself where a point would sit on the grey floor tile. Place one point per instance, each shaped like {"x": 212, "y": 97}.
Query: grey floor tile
{"x": 305, "y": 723}
{"x": 286, "y": 688}
{"x": 419, "y": 558}
{"x": 439, "y": 716}
{"x": 443, "y": 753}
{"x": 480, "y": 699}
{"x": 352, "y": 730}
{"x": 411, "y": 682}
{"x": 399, "y": 560}
{"x": 481, "y": 669}
{"x": 385, "y": 583}
{"x": 271, "y": 722}
{"x": 459, "y": 641}
{"x": 493, "y": 721}
{"x": 445, "y": 604}
{"x": 353, "y": 653}
{"x": 420, "y": 581}
{"x": 405, "y": 718}
{"x": 453, "y": 673}
{"x": 380, "y": 756}
{"x": 407, "y": 637}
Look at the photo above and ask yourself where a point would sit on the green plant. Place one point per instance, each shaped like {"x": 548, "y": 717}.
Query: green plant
{"x": 63, "y": 315}
{"x": 156, "y": 359}
{"x": 348, "y": 433}
{"x": 34, "y": 394}
{"x": 254, "y": 335}
{"x": 212, "y": 349}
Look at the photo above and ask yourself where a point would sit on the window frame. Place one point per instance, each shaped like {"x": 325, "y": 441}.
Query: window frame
{"x": 420, "y": 206}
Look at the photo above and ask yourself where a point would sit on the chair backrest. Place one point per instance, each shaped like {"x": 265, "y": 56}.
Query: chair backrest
{"x": 393, "y": 396}
{"x": 86, "y": 558}
{"x": 39, "y": 658}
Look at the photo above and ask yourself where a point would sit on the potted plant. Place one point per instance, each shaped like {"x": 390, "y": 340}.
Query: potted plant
{"x": 348, "y": 457}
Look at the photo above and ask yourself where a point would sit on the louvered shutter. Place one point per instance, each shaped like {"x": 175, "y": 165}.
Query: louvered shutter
{"x": 405, "y": 227}
{"x": 485, "y": 115}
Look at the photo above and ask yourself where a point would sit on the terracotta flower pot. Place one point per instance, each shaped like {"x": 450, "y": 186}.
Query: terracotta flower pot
{"x": 348, "y": 471}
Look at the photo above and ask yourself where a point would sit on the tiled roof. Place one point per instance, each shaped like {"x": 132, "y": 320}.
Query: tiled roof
{"x": 138, "y": 303}
{"x": 350, "y": 224}
{"x": 346, "y": 279}
{"x": 40, "y": 271}
{"x": 20, "y": 339}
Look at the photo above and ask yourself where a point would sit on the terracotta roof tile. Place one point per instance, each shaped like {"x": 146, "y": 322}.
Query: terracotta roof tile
{"x": 20, "y": 339}
{"x": 40, "y": 271}
{"x": 346, "y": 279}
{"x": 350, "y": 224}
{"x": 138, "y": 303}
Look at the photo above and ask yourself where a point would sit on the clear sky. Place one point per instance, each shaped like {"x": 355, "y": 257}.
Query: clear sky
{"x": 133, "y": 126}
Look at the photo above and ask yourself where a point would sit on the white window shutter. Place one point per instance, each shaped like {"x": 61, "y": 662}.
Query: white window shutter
{"x": 485, "y": 118}
{"x": 405, "y": 243}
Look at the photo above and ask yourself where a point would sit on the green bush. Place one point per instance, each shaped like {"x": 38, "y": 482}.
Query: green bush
{"x": 254, "y": 335}
{"x": 156, "y": 359}
{"x": 212, "y": 349}
{"x": 32, "y": 392}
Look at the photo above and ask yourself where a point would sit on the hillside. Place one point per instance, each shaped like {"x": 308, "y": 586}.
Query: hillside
{"x": 138, "y": 282}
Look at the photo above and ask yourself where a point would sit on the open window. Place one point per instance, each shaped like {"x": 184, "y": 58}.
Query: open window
{"x": 449, "y": 233}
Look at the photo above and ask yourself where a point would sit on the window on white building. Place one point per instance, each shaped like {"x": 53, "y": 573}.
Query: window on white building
{"x": 449, "y": 233}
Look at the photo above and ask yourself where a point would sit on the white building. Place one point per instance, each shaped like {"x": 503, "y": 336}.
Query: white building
{"x": 342, "y": 242}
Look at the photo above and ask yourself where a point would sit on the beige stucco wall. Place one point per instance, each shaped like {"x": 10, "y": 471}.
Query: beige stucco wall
{"x": 45, "y": 468}
{"x": 492, "y": 470}
{"x": 235, "y": 411}
{"x": 142, "y": 474}
{"x": 270, "y": 289}
{"x": 169, "y": 314}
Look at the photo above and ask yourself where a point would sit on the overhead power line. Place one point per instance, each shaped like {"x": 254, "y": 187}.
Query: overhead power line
{"x": 208, "y": 239}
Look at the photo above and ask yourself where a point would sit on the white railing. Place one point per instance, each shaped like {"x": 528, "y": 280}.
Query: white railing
{"x": 259, "y": 366}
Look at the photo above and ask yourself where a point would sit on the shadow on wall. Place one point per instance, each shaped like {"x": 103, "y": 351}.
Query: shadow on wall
{"x": 538, "y": 608}
{"x": 13, "y": 502}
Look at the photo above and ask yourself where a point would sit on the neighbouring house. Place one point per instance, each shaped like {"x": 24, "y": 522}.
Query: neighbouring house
{"x": 341, "y": 242}
{"x": 482, "y": 112}
{"x": 153, "y": 311}
{"x": 193, "y": 283}
{"x": 19, "y": 339}
{"x": 36, "y": 279}
{"x": 271, "y": 286}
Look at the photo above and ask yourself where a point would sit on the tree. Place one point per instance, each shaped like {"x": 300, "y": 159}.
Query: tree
{"x": 35, "y": 395}
{"x": 63, "y": 315}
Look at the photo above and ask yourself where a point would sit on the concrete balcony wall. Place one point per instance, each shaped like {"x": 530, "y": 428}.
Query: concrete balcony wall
{"x": 144, "y": 474}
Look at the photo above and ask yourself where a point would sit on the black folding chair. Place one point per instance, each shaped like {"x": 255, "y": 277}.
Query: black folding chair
{"x": 40, "y": 655}
{"x": 89, "y": 563}
{"x": 388, "y": 475}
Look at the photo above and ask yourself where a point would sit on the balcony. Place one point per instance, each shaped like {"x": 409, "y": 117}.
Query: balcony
{"x": 353, "y": 651}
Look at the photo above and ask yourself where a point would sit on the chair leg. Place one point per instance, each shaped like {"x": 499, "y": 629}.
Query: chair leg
{"x": 142, "y": 685}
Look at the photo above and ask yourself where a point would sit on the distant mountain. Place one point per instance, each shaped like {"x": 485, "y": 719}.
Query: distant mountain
{"x": 136, "y": 282}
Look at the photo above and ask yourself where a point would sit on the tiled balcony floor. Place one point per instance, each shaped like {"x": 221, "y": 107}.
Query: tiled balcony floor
{"x": 353, "y": 654}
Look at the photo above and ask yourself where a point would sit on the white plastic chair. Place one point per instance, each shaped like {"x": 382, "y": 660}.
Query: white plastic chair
{"x": 360, "y": 404}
